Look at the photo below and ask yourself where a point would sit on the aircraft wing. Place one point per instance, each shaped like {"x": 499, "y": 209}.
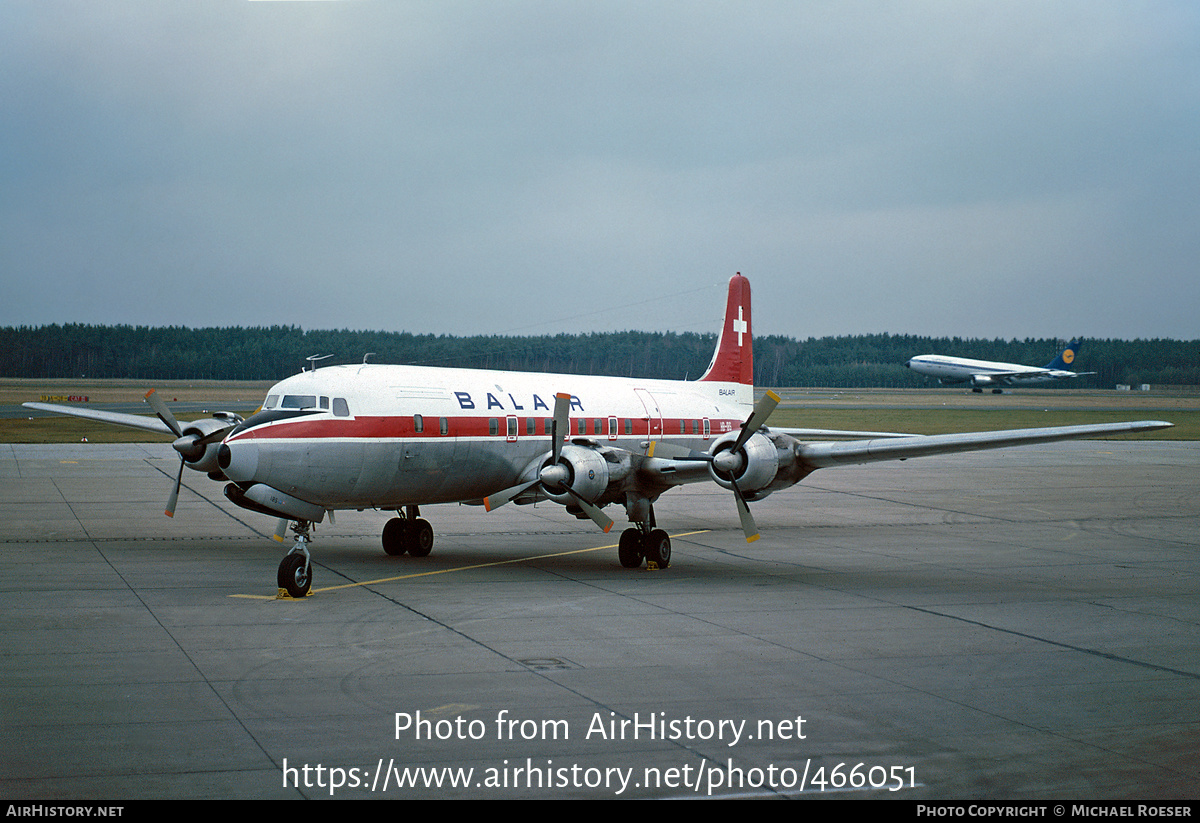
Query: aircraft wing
{"x": 822, "y": 455}
{"x": 135, "y": 421}
{"x": 1007, "y": 377}
{"x": 811, "y": 433}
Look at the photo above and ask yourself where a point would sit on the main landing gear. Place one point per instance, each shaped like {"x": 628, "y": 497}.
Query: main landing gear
{"x": 637, "y": 544}
{"x": 408, "y": 534}
{"x": 295, "y": 572}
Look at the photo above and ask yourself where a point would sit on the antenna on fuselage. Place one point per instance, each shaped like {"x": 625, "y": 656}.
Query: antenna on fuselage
{"x": 365, "y": 356}
{"x": 314, "y": 358}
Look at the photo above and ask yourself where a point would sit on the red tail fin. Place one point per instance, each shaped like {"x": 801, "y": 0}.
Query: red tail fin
{"x": 733, "y": 361}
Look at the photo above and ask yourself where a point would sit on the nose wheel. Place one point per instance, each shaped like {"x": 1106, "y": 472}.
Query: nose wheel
{"x": 295, "y": 571}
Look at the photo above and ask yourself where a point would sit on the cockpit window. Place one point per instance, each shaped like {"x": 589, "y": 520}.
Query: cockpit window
{"x": 340, "y": 409}
{"x": 272, "y": 399}
{"x": 299, "y": 401}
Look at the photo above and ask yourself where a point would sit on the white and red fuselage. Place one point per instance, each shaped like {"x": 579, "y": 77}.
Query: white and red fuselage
{"x": 379, "y": 436}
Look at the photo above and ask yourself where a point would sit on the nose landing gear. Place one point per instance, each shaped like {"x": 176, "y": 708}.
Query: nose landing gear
{"x": 295, "y": 572}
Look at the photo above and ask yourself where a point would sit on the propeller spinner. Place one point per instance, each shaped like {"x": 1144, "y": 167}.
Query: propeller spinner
{"x": 729, "y": 463}
{"x": 555, "y": 475}
{"x": 191, "y": 445}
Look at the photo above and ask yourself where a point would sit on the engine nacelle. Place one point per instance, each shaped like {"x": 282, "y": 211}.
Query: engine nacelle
{"x": 201, "y": 458}
{"x": 753, "y": 467}
{"x": 981, "y": 380}
{"x": 586, "y": 473}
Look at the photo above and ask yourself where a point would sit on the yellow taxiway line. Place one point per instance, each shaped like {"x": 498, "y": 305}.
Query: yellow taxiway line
{"x": 447, "y": 571}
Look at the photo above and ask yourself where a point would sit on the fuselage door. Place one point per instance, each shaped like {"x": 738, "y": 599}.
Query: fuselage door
{"x": 653, "y": 413}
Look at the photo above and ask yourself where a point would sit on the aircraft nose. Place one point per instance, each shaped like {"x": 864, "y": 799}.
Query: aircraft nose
{"x": 238, "y": 460}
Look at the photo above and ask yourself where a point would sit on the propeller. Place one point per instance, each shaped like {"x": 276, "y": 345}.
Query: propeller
{"x": 190, "y": 446}
{"x": 553, "y": 476}
{"x": 729, "y": 462}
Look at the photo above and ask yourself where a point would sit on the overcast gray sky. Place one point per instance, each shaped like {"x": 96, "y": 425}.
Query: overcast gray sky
{"x": 983, "y": 169}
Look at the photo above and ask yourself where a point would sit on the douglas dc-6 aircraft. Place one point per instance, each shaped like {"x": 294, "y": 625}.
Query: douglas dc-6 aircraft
{"x": 982, "y": 374}
{"x": 395, "y": 438}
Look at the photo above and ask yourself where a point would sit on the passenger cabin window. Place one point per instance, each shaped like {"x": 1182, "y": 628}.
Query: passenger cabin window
{"x": 596, "y": 427}
{"x": 445, "y": 426}
{"x": 629, "y": 425}
{"x": 418, "y": 423}
{"x": 340, "y": 409}
{"x": 493, "y": 426}
{"x": 530, "y": 426}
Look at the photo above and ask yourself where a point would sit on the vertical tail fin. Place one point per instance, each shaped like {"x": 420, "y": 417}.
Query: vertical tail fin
{"x": 733, "y": 361}
{"x": 1066, "y": 360}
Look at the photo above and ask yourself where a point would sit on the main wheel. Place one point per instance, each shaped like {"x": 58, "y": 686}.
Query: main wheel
{"x": 658, "y": 548}
{"x": 295, "y": 575}
{"x": 629, "y": 550}
{"x": 419, "y": 538}
{"x": 395, "y": 540}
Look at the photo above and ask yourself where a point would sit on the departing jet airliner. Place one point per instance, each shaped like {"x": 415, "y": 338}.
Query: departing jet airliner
{"x": 394, "y": 438}
{"x": 981, "y": 374}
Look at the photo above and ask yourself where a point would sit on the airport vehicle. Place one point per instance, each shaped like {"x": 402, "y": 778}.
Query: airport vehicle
{"x": 983, "y": 374}
{"x": 395, "y": 438}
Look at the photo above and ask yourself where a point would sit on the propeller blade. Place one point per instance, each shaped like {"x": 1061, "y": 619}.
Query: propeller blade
{"x": 762, "y": 410}
{"x": 174, "y": 498}
{"x": 748, "y": 526}
{"x": 164, "y": 414}
{"x": 553, "y": 475}
{"x": 562, "y": 424}
{"x": 215, "y": 437}
{"x": 495, "y": 501}
{"x": 598, "y": 517}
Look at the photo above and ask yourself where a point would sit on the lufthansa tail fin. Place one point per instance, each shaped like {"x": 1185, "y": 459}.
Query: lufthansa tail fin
{"x": 733, "y": 361}
{"x": 1066, "y": 360}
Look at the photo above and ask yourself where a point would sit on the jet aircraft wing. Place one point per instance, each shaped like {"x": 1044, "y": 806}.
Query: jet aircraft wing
{"x": 1009, "y": 376}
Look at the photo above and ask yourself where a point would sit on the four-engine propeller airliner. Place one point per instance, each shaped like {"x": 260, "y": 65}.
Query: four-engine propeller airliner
{"x": 983, "y": 374}
{"x": 395, "y": 438}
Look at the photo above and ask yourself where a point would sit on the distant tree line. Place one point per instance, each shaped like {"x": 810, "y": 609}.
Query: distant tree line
{"x": 269, "y": 353}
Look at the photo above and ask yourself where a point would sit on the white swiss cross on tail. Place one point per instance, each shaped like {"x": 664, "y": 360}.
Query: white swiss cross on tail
{"x": 733, "y": 361}
{"x": 740, "y": 326}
